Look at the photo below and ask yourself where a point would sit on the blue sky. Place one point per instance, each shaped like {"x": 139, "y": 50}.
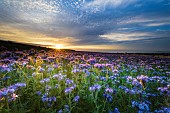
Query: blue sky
{"x": 137, "y": 25}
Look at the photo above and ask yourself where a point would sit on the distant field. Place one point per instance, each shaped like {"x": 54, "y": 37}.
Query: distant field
{"x": 41, "y": 80}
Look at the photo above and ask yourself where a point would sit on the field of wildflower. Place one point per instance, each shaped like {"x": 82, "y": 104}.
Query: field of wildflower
{"x": 38, "y": 81}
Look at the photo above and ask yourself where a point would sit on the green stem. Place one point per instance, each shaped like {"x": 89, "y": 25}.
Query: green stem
{"x": 95, "y": 101}
{"x": 69, "y": 101}
{"x": 104, "y": 106}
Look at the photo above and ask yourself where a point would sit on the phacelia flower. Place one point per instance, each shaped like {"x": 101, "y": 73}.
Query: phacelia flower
{"x": 95, "y": 87}
{"x": 108, "y": 97}
{"x": 76, "y": 98}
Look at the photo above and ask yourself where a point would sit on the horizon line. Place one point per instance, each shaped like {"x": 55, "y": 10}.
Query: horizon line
{"x": 89, "y": 50}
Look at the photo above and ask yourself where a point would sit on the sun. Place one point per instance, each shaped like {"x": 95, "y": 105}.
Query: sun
{"x": 59, "y": 46}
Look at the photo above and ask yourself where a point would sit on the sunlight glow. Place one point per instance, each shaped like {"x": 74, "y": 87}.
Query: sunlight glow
{"x": 59, "y": 46}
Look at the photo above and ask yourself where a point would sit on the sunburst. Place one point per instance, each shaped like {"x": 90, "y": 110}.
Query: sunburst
{"x": 59, "y": 46}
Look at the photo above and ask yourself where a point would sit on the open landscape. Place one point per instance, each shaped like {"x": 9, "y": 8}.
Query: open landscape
{"x": 84, "y": 56}
{"x": 58, "y": 81}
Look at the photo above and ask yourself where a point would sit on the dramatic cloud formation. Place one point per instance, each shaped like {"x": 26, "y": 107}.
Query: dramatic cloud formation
{"x": 139, "y": 25}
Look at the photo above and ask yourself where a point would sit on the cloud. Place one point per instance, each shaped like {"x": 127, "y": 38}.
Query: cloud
{"x": 105, "y": 3}
{"x": 157, "y": 24}
{"x": 126, "y": 36}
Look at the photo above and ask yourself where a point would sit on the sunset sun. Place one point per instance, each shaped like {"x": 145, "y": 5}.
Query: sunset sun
{"x": 59, "y": 46}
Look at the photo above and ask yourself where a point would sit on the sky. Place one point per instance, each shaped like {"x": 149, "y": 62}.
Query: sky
{"x": 92, "y": 25}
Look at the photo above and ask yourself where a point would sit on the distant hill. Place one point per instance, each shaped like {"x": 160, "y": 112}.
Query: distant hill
{"x": 12, "y": 46}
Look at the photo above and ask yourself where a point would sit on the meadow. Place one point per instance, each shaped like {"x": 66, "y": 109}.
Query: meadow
{"x": 38, "y": 81}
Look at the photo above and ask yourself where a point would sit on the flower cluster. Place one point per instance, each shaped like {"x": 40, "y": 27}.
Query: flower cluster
{"x": 70, "y": 89}
{"x": 163, "y": 110}
{"x": 108, "y": 97}
{"x": 45, "y": 80}
{"x": 164, "y": 91}
{"x": 142, "y": 106}
{"x": 59, "y": 76}
{"x": 95, "y": 87}
{"x": 9, "y": 93}
{"x": 46, "y": 98}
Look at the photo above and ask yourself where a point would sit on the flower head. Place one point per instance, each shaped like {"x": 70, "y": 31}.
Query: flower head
{"x": 95, "y": 87}
{"x": 76, "y": 98}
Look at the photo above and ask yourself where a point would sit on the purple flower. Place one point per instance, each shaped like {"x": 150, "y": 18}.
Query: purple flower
{"x": 100, "y": 66}
{"x": 20, "y": 84}
{"x": 132, "y": 92}
{"x": 60, "y": 111}
{"x": 95, "y": 87}
{"x": 41, "y": 70}
{"x": 143, "y": 77}
{"x": 109, "y": 90}
{"x": 68, "y": 90}
{"x": 59, "y": 76}
{"x": 76, "y": 98}
{"x": 54, "y": 99}
{"x": 92, "y": 88}
{"x": 134, "y": 103}
{"x": 56, "y": 76}
{"x": 45, "y": 80}
{"x": 38, "y": 93}
{"x": 91, "y": 61}
{"x": 51, "y": 99}
{"x": 6, "y": 78}
{"x": 3, "y": 93}
{"x": 86, "y": 71}
{"x": 112, "y": 77}
{"x": 108, "y": 97}
{"x": 164, "y": 110}
{"x": 76, "y": 70}
{"x": 116, "y": 110}
{"x": 127, "y": 90}
{"x": 11, "y": 90}
{"x": 115, "y": 71}
{"x": 103, "y": 79}
{"x": 142, "y": 106}
{"x": 44, "y": 99}
{"x": 68, "y": 81}
{"x": 164, "y": 90}
{"x": 50, "y": 69}
{"x": 56, "y": 86}
{"x": 136, "y": 83}
{"x": 55, "y": 65}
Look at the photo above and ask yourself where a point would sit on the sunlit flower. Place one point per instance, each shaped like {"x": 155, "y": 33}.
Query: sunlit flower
{"x": 95, "y": 87}
{"x": 109, "y": 90}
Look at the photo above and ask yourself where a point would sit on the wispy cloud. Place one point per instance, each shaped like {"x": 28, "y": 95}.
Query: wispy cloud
{"x": 127, "y": 36}
{"x": 113, "y": 3}
{"x": 157, "y": 24}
